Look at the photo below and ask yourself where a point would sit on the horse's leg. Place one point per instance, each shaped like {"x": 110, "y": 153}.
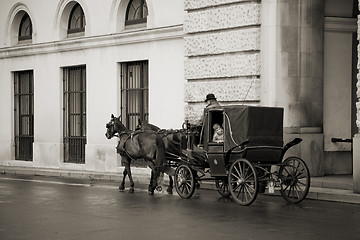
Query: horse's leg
{"x": 127, "y": 171}
{"x": 171, "y": 183}
{"x": 122, "y": 184}
{"x": 131, "y": 190}
{"x": 153, "y": 178}
{"x": 150, "y": 187}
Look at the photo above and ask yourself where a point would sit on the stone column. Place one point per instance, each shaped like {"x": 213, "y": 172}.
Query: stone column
{"x": 356, "y": 139}
{"x": 292, "y": 71}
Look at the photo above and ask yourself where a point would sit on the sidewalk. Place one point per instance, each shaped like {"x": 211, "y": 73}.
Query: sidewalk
{"x": 337, "y": 188}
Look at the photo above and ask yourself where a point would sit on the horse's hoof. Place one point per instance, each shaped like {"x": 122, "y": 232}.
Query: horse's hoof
{"x": 169, "y": 191}
{"x": 151, "y": 192}
{"x": 131, "y": 190}
{"x": 121, "y": 188}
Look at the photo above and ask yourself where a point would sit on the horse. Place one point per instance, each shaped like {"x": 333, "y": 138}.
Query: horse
{"x": 137, "y": 145}
{"x": 174, "y": 140}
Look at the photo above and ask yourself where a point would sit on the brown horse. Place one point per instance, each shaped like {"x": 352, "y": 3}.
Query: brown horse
{"x": 175, "y": 140}
{"x": 137, "y": 145}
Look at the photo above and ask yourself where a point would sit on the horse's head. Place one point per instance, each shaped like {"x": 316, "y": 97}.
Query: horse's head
{"x": 113, "y": 127}
{"x": 146, "y": 126}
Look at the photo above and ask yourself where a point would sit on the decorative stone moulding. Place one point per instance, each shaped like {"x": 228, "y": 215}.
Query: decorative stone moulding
{"x": 223, "y": 42}
{"x": 196, "y": 4}
{"x": 229, "y": 65}
{"x": 224, "y": 17}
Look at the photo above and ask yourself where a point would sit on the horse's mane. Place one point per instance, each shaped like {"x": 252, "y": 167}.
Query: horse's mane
{"x": 146, "y": 126}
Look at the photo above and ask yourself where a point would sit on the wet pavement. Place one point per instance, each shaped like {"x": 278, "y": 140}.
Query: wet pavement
{"x": 60, "y": 208}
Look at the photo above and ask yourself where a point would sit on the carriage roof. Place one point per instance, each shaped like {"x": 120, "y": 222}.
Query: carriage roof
{"x": 258, "y": 125}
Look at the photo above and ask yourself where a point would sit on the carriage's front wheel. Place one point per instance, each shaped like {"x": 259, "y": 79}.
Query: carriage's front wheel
{"x": 295, "y": 179}
{"x": 222, "y": 186}
{"x": 243, "y": 184}
{"x": 184, "y": 181}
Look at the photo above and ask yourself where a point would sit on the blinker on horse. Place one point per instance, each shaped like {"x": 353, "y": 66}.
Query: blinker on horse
{"x": 137, "y": 145}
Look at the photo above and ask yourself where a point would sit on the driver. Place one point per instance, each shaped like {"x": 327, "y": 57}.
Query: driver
{"x": 211, "y": 103}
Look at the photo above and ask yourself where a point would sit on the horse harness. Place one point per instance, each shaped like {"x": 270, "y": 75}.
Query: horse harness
{"x": 121, "y": 145}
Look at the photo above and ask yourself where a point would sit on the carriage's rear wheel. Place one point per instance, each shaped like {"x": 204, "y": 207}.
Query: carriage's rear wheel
{"x": 222, "y": 186}
{"x": 243, "y": 184}
{"x": 184, "y": 181}
{"x": 295, "y": 179}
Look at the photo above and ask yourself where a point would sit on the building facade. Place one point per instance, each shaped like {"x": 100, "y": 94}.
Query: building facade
{"x": 63, "y": 71}
{"x": 82, "y": 61}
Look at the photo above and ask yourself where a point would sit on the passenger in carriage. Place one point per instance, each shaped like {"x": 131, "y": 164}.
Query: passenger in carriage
{"x": 218, "y": 133}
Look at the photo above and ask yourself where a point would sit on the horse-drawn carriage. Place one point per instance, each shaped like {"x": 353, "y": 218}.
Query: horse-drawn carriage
{"x": 249, "y": 155}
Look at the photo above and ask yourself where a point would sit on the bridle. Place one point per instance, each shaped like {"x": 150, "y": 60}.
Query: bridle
{"x": 111, "y": 127}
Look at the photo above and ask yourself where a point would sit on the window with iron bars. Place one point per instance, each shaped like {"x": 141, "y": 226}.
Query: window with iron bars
{"x": 74, "y": 114}
{"x": 134, "y": 93}
{"x": 24, "y": 115}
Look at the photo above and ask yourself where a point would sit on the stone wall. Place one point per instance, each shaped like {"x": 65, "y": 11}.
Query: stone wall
{"x": 222, "y": 53}
{"x": 356, "y": 139}
{"x": 358, "y": 77}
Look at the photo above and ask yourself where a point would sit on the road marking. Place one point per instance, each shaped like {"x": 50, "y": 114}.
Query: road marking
{"x": 76, "y": 184}
{"x": 47, "y": 181}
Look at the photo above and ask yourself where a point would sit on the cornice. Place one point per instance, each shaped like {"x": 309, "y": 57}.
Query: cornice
{"x": 82, "y": 43}
{"x": 340, "y": 24}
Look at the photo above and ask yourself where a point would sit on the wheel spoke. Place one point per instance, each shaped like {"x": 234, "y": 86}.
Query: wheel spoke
{"x": 240, "y": 190}
{"x": 236, "y": 176}
{"x": 251, "y": 175}
{"x": 237, "y": 171}
{"x": 249, "y": 186}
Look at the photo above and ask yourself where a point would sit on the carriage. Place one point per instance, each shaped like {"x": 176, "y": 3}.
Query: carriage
{"x": 250, "y": 158}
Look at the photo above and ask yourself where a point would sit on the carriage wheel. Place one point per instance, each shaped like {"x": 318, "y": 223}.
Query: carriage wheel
{"x": 222, "y": 186}
{"x": 243, "y": 182}
{"x": 184, "y": 181}
{"x": 295, "y": 179}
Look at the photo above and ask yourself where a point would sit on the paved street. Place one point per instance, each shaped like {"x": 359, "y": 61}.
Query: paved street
{"x": 57, "y": 208}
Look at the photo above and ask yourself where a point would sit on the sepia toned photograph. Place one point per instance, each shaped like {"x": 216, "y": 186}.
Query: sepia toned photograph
{"x": 179, "y": 119}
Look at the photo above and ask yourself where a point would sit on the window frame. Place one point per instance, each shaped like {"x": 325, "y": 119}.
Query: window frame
{"x": 135, "y": 21}
{"x": 82, "y": 19}
{"x": 22, "y": 22}
{"x": 24, "y": 115}
{"x": 134, "y": 92}
{"x": 74, "y": 107}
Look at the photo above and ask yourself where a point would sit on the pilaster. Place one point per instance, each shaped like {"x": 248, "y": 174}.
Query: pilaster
{"x": 356, "y": 139}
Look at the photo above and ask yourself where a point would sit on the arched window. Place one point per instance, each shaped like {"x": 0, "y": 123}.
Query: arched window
{"x": 76, "y": 20}
{"x": 136, "y": 12}
{"x": 25, "y": 29}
